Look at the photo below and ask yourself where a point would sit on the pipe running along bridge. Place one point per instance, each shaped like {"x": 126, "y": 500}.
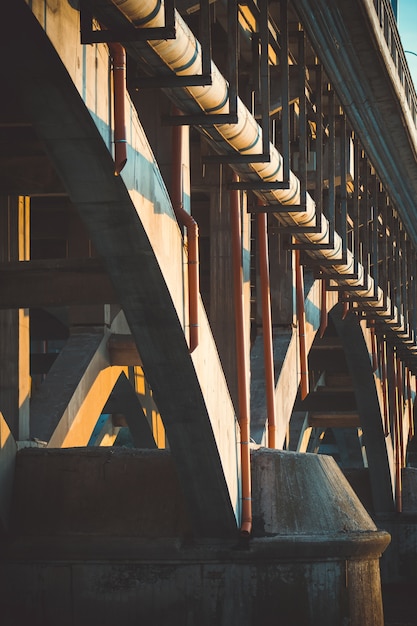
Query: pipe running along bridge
{"x": 208, "y": 252}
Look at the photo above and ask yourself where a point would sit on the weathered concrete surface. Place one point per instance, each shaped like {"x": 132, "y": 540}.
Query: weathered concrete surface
{"x": 399, "y": 562}
{"x": 108, "y": 544}
{"x": 98, "y": 491}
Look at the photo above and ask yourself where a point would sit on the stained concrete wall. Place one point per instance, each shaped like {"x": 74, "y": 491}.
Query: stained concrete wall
{"x": 399, "y": 561}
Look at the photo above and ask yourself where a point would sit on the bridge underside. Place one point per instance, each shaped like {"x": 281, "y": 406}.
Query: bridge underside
{"x": 315, "y": 353}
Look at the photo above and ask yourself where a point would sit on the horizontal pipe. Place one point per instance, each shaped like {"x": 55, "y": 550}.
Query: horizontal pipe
{"x": 183, "y": 56}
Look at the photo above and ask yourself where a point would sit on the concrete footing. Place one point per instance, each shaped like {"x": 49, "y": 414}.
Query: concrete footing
{"x": 313, "y": 558}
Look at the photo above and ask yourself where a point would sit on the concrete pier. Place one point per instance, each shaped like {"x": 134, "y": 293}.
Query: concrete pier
{"x": 102, "y": 537}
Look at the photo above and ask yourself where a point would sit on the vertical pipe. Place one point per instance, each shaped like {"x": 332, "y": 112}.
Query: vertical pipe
{"x": 345, "y": 304}
{"x": 393, "y": 402}
{"x": 373, "y": 347}
{"x": 323, "y": 309}
{"x": 246, "y": 521}
{"x": 119, "y": 79}
{"x": 384, "y": 385}
{"x": 409, "y": 407}
{"x": 267, "y": 327}
{"x": 400, "y": 409}
{"x": 300, "y": 308}
{"x": 185, "y": 219}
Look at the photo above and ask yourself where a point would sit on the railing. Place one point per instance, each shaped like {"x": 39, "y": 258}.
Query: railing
{"x": 388, "y": 24}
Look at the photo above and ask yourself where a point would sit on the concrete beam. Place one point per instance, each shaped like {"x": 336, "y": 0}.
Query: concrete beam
{"x": 57, "y": 282}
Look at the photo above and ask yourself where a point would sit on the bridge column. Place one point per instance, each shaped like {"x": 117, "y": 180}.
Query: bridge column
{"x": 14, "y": 323}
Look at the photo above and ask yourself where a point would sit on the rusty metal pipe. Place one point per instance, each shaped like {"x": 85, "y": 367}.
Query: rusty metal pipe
{"x": 323, "y": 309}
{"x": 373, "y": 348}
{"x": 301, "y": 317}
{"x": 393, "y": 403}
{"x": 185, "y": 219}
{"x": 118, "y": 55}
{"x": 400, "y": 409}
{"x": 244, "y": 420}
{"x": 384, "y": 385}
{"x": 409, "y": 406}
{"x": 267, "y": 327}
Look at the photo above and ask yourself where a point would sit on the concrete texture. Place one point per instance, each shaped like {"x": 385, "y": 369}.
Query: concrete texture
{"x": 98, "y": 491}
{"x": 104, "y": 539}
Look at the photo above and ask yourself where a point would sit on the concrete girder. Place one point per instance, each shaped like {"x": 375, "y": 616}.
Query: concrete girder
{"x": 86, "y": 167}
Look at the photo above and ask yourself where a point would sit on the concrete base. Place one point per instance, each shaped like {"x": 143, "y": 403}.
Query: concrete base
{"x": 173, "y": 585}
{"x": 313, "y": 557}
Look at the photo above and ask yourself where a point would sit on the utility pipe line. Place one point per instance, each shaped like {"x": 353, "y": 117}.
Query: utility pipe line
{"x": 182, "y": 56}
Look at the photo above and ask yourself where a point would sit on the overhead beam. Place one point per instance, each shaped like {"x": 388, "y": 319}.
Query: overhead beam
{"x": 56, "y": 282}
{"x": 29, "y": 175}
{"x": 327, "y": 400}
{"x": 341, "y": 419}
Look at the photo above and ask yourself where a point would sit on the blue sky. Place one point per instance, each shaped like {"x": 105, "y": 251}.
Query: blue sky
{"x": 407, "y": 25}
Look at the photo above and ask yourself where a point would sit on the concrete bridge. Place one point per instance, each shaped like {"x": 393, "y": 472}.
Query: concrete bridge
{"x": 207, "y": 311}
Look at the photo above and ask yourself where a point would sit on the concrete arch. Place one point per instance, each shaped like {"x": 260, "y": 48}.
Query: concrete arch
{"x": 208, "y": 474}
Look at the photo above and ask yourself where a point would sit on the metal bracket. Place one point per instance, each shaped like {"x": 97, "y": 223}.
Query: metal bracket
{"x": 126, "y": 32}
{"x": 205, "y": 78}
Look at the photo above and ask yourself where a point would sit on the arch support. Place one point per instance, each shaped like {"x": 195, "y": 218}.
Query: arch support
{"x": 360, "y": 368}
